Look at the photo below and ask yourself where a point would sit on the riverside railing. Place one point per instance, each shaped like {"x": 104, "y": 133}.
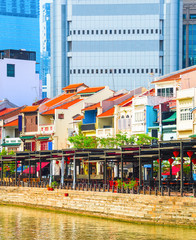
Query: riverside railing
{"x": 145, "y": 190}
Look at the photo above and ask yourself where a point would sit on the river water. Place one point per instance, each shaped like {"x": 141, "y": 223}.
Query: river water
{"x": 28, "y": 224}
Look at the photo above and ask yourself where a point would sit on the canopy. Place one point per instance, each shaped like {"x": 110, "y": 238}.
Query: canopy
{"x": 10, "y": 144}
{"x": 172, "y": 118}
{"x": 43, "y": 164}
{"x": 27, "y": 137}
{"x": 175, "y": 170}
{"x": 43, "y": 138}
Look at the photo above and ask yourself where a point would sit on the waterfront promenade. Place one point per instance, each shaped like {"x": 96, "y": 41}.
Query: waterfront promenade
{"x": 149, "y": 209}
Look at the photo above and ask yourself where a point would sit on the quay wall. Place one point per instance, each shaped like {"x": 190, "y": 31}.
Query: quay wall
{"x": 127, "y": 207}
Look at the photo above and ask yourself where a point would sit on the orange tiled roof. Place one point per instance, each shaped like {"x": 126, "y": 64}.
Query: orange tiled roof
{"x": 73, "y": 86}
{"x": 108, "y": 113}
{"x": 12, "y": 123}
{"x": 58, "y": 99}
{"x": 175, "y": 76}
{"x": 150, "y": 92}
{"x": 63, "y": 106}
{"x": 7, "y": 110}
{"x": 115, "y": 97}
{"x": 91, "y": 90}
{"x": 30, "y": 109}
{"x": 79, "y": 118}
{"x": 92, "y": 107}
{"x": 126, "y": 101}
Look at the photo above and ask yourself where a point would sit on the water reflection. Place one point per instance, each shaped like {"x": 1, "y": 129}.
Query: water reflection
{"x": 19, "y": 223}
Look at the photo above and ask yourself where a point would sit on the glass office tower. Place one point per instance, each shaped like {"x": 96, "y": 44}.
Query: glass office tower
{"x": 189, "y": 33}
{"x": 19, "y": 24}
{"x": 119, "y": 43}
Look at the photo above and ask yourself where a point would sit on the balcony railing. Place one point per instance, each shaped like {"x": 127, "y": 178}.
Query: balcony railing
{"x": 88, "y": 127}
{"x": 105, "y": 132}
{"x": 12, "y": 140}
{"x": 46, "y": 129}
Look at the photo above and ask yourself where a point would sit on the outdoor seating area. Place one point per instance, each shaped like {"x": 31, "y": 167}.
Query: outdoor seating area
{"x": 132, "y": 168}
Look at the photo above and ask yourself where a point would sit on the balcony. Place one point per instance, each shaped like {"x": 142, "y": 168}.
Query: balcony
{"x": 46, "y": 129}
{"x": 139, "y": 127}
{"x": 88, "y": 127}
{"x": 105, "y": 132}
{"x": 11, "y": 142}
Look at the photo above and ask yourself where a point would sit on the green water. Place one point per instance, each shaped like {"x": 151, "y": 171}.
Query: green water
{"x": 28, "y": 224}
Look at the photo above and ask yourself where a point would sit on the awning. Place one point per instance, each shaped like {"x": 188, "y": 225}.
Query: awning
{"x": 12, "y": 124}
{"x": 27, "y": 137}
{"x": 172, "y": 118}
{"x": 10, "y": 144}
{"x": 43, "y": 164}
{"x": 193, "y": 136}
{"x": 43, "y": 138}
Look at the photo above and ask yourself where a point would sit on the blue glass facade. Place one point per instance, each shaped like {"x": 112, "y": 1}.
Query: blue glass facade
{"x": 19, "y": 24}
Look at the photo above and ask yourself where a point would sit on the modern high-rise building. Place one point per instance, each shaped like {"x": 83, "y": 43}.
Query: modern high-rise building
{"x": 45, "y": 49}
{"x": 122, "y": 44}
{"x": 19, "y": 24}
{"x": 189, "y": 33}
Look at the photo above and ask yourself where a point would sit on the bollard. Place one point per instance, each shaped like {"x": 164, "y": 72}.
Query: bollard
{"x": 103, "y": 187}
{"x": 94, "y": 187}
{"x": 132, "y": 190}
{"x": 87, "y": 187}
{"x": 194, "y": 192}
{"x": 108, "y": 188}
{"x": 144, "y": 190}
{"x": 112, "y": 188}
{"x": 91, "y": 187}
{"x": 138, "y": 190}
{"x": 99, "y": 187}
{"x": 82, "y": 186}
{"x": 150, "y": 190}
{"x": 127, "y": 190}
{"x": 67, "y": 186}
{"x": 168, "y": 191}
{"x": 162, "y": 191}
{"x": 122, "y": 189}
{"x": 156, "y": 191}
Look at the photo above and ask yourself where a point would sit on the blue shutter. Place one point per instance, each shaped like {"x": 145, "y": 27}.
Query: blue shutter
{"x": 20, "y": 123}
{"x": 49, "y": 145}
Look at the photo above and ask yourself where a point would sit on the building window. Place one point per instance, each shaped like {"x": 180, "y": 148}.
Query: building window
{"x": 152, "y": 31}
{"x": 97, "y": 71}
{"x": 70, "y": 71}
{"x": 124, "y": 31}
{"x": 133, "y": 70}
{"x": 138, "y": 31}
{"x": 83, "y": 32}
{"x": 127, "y": 116}
{"x": 92, "y": 32}
{"x": 115, "y": 31}
{"x": 101, "y": 31}
{"x": 83, "y": 71}
{"x": 147, "y": 31}
{"x": 60, "y": 116}
{"x": 124, "y": 71}
{"x": 151, "y": 70}
{"x": 133, "y": 31}
{"x": 97, "y": 31}
{"x": 115, "y": 71}
{"x": 185, "y": 114}
{"x": 119, "y": 31}
{"x": 129, "y": 70}
{"x": 74, "y": 71}
{"x": 78, "y": 32}
{"x": 106, "y": 31}
{"x": 142, "y": 31}
{"x": 101, "y": 70}
{"x": 119, "y": 70}
{"x": 146, "y": 70}
{"x": 156, "y": 70}
{"x": 142, "y": 70}
{"x": 92, "y": 71}
{"x": 192, "y": 16}
{"x": 78, "y": 71}
{"x": 122, "y": 116}
{"x": 74, "y": 32}
{"x": 87, "y": 32}
{"x": 10, "y": 70}
{"x": 156, "y": 31}
{"x": 138, "y": 71}
{"x": 165, "y": 92}
{"x": 110, "y": 31}
{"x": 110, "y": 70}
{"x": 129, "y": 31}
{"x": 106, "y": 71}
{"x": 70, "y": 33}
{"x": 139, "y": 116}
{"x": 88, "y": 71}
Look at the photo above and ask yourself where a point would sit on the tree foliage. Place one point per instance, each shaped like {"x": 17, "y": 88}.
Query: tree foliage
{"x": 81, "y": 141}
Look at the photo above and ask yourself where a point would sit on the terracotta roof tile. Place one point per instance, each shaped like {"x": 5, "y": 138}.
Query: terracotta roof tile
{"x": 78, "y": 118}
{"x": 63, "y": 106}
{"x": 7, "y": 110}
{"x": 12, "y": 123}
{"x": 126, "y": 101}
{"x": 73, "y": 86}
{"x": 92, "y": 107}
{"x": 30, "y": 109}
{"x": 108, "y": 113}
{"x": 91, "y": 90}
{"x": 175, "y": 76}
{"x": 58, "y": 99}
{"x": 115, "y": 97}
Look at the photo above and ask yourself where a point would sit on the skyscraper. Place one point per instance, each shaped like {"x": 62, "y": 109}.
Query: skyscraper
{"x": 19, "y": 24}
{"x": 45, "y": 48}
{"x": 189, "y": 33}
{"x": 122, "y": 44}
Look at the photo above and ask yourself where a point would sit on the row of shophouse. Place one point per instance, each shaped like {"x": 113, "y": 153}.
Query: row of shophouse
{"x": 166, "y": 111}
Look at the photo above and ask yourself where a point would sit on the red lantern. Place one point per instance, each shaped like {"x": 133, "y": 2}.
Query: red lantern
{"x": 194, "y": 161}
{"x": 158, "y": 160}
{"x": 190, "y": 153}
{"x": 171, "y": 160}
{"x": 57, "y": 162}
{"x": 176, "y": 153}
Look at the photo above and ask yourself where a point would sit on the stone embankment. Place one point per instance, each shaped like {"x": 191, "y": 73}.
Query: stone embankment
{"x": 127, "y": 207}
